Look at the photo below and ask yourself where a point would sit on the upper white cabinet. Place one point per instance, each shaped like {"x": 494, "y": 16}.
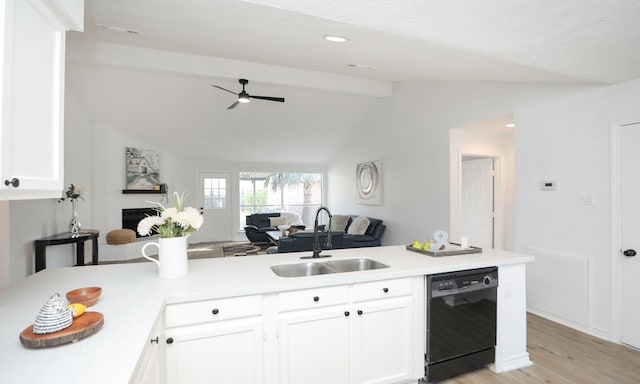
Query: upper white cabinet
{"x": 32, "y": 46}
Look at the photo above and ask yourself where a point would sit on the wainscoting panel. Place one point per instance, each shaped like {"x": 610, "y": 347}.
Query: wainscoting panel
{"x": 558, "y": 284}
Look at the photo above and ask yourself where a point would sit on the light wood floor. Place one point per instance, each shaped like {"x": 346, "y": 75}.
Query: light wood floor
{"x": 562, "y": 355}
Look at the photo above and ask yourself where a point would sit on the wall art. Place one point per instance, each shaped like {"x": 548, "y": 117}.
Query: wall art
{"x": 369, "y": 182}
{"x": 143, "y": 168}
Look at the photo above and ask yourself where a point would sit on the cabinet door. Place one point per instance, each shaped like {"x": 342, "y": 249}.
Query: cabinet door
{"x": 314, "y": 346}
{"x": 382, "y": 341}
{"x": 32, "y": 100}
{"x": 149, "y": 369}
{"x": 222, "y": 352}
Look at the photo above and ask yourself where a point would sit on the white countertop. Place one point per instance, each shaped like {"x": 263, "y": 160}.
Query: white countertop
{"x": 133, "y": 296}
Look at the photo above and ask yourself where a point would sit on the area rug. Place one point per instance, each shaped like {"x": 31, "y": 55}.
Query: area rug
{"x": 244, "y": 249}
{"x": 209, "y": 250}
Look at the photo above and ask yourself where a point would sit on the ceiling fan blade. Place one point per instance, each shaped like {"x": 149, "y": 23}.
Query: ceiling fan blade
{"x": 280, "y": 99}
{"x": 233, "y": 105}
{"x": 224, "y": 89}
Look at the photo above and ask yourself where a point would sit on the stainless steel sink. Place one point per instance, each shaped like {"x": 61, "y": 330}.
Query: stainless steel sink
{"x": 333, "y": 266}
{"x": 301, "y": 269}
{"x": 352, "y": 265}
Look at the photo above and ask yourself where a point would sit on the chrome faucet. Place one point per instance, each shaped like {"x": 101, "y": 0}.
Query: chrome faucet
{"x": 316, "y": 239}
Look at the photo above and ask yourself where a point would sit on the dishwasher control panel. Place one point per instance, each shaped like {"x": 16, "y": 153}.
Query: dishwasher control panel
{"x": 462, "y": 281}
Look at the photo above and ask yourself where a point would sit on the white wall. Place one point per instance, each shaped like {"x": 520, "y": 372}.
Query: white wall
{"x": 410, "y": 134}
{"x": 567, "y": 140}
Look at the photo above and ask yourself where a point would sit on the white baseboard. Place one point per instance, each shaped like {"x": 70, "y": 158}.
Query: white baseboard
{"x": 511, "y": 363}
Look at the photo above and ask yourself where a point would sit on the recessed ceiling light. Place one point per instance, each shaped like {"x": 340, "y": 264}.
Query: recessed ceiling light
{"x": 360, "y": 66}
{"x": 118, "y": 29}
{"x": 510, "y": 125}
{"x": 335, "y": 39}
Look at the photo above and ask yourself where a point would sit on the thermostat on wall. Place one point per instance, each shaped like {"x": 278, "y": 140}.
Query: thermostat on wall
{"x": 548, "y": 185}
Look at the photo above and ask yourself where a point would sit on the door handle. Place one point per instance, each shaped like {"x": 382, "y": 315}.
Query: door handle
{"x": 629, "y": 252}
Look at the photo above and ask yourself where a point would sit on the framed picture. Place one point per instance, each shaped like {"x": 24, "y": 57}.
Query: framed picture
{"x": 369, "y": 182}
{"x": 143, "y": 168}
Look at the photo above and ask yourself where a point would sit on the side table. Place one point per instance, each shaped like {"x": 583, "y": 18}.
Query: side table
{"x": 67, "y": 238}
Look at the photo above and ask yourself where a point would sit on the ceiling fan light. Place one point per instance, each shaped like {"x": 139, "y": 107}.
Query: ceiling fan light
{"x": 243, "y": 97}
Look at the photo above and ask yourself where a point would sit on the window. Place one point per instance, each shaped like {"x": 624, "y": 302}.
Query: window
{"x": 263, "y": 192}
{"x": 215, "y": 192}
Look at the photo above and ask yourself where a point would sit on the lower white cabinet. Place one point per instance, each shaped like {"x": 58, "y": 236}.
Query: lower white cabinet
{"x": 225, "y": 352}
{"x": 313, "y": 336}
{"x": 363, "y": 336}
{"x": 215, "y": 341}
{"x": 150, "y": 367}
{"x": 382, "y": 340}
{"x": 351, "y": 334}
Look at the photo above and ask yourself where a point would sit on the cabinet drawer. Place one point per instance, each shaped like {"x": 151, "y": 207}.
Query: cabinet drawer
{"x": 212, "y": 310}
{"x": 312, "y": 298}
{"x": 381, "y": 289}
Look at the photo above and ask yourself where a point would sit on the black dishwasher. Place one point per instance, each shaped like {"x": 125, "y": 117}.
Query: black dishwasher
{"x": 461, "y": 322}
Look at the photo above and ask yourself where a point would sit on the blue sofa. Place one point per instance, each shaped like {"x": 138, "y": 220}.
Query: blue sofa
{"x": 303, "y": 241}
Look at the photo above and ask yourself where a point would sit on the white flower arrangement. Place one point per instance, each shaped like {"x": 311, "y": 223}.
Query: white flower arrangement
{"x": 176, "y": 221}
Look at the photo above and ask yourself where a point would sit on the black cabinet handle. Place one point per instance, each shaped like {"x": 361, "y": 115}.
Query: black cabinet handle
{"x": 629, "y": 252}
{"x": 154, "y": 340}
{"x": 215, "y": 311}
{"x": 359, "y": 312}
{"x": 346, "y": 313}
{"x": 316, "y": 298}
{"x": 170, "y": 340}
{"x": 15, "y": 182}
{"x": 385, "y": 290}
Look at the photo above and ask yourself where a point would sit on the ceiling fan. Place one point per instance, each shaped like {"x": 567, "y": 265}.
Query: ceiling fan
{"x": 244, "y": 97}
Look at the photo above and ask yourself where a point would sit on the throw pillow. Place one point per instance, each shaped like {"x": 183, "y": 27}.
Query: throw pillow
{"x": 275, "y": 221}
{"x": 358, "y": 226}
{"x": 339, "y": 223}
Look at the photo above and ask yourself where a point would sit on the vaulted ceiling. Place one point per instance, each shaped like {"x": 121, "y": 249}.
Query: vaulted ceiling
{"x": 569, "y": 41}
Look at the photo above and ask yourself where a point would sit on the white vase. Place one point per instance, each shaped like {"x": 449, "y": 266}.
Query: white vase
{"x": 172, "y": 257}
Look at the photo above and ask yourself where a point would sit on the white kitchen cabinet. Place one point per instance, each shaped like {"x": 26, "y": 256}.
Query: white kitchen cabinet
{"x": 32, "y": 47}
{"x": 363, "y": 333}
{"x": 313, "y": 336}
{"x": 218, "y": 341}
{"x": 150, "y": 367}
{"x": 382, "y": 340}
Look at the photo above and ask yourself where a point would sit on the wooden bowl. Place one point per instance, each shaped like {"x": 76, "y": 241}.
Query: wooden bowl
{"x": 87, "y": 296}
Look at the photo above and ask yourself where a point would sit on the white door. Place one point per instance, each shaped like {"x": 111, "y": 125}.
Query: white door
{"x": 630, "y": 212}
{"x": 477, "y": 201}
{"x": 215, "y": 205}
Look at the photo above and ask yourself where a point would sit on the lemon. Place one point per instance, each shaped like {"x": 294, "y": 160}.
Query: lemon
{"x": 77, "y": 309}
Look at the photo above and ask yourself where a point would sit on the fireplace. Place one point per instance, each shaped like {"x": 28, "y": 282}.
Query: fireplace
{"x": 132, "y": 216}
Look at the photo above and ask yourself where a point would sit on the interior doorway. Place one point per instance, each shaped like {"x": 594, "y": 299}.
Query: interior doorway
{"x": 482, "y": 183}
{"x": 477, "y": 200}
